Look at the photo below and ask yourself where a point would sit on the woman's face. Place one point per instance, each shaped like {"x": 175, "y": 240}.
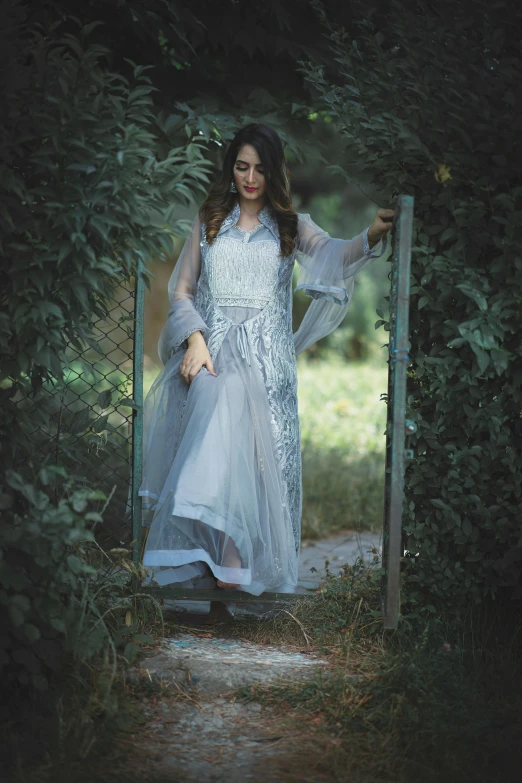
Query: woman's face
{"x": 248, "y": 174}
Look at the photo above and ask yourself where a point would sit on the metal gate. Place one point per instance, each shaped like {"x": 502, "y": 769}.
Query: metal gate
{"x": 397, "y": 426}
{"x": 93, "y": 422}
{"x": 90, "y": 423}
{"x": 396, "y": 429}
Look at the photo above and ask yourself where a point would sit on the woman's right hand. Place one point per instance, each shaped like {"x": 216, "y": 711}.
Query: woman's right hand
{"x": 196, "y": 357}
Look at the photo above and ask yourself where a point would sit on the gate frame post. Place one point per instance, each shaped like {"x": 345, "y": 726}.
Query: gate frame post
{"x": 137, "y": 412}
{"x": 396, "y": 419}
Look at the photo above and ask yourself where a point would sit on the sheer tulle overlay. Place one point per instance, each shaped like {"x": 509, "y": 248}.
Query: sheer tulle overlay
{"x": 221, "y": 486}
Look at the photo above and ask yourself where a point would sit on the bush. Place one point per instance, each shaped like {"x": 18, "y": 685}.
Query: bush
{"x": 89, "y": 180}
{"x": 397, "y": 91}
{"x": 40, "y": 571}
{"x": 68, "y": 613}
{"x": 89, "y": 187}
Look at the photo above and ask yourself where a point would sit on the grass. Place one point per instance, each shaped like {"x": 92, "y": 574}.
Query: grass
{"x": 342, "y": 440}
{"x": 439, "y": 699}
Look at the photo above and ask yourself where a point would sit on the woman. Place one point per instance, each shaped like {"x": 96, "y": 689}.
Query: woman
{"x": 222, "y": 464}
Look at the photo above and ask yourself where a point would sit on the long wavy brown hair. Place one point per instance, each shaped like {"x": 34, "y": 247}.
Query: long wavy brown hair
{"x": 220, "y": 200}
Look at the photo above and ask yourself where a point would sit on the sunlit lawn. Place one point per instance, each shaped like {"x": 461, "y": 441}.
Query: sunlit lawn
{"x": 342, "y": 439}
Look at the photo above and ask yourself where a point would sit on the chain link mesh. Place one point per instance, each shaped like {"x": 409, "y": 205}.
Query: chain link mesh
{"x": 85, "y": 423}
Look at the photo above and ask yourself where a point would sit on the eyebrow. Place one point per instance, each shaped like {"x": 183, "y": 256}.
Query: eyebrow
{"x": 247, "y": 164}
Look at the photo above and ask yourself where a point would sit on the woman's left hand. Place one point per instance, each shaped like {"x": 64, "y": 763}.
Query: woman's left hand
{"x": 382, "y": 223}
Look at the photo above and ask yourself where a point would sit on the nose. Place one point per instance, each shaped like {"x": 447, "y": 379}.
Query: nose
{"x": 251, "y": 177}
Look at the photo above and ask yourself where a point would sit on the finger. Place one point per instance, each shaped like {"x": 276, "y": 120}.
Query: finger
{"x": 210, "y": 366}
{"x": 193, "y": 369}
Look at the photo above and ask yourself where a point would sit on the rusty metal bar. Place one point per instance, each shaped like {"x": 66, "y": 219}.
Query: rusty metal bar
{"x": 396, "y": 421}
{"x": 238, "y": 596}
{"x": 137, "y": 413}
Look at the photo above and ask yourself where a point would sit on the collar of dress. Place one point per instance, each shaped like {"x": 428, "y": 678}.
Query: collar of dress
{"x": 266, "y": 217}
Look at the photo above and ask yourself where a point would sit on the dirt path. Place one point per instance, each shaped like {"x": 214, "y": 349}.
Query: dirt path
{"x": 210, "y": 736}
{"x": 195, "y": 728}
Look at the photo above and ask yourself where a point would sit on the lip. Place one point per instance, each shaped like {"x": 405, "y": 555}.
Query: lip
{"x": 249, "y": 190}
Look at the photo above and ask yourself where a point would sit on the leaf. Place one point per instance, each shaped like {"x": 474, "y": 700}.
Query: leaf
{"x": 142, "y": 638}
{"x": 75, "y": 563}
{"x": 58, "y": 624}
{"x": 472, "y": 292}
{"x": 88, "y": 28}
{"x": 16, "y": 616}
{"x": 93, "y": 516}
{"x": 447, "y": 234}
{"x": 94, "y": 345}
{"x": 105, "y": 398}
{"x": 101, "y": 424}
{"x": 482, "y": 356}
{"x": 131, "y": 652}
{"x": 80, "y": 422}
{"x": 79, "y": 502}
{"x": 31, "y": 632}
{"x": 127, "y": 402}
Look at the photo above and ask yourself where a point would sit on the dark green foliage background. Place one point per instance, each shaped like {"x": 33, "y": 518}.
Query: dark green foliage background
{"x": 427, "y": 92}
{"x": 98, "y": 154}
{"x": 89, "y": 178}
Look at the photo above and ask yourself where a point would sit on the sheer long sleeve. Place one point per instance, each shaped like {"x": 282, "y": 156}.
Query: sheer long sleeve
{"x": 183, "y": 319}
{"x": 327, "y": 267}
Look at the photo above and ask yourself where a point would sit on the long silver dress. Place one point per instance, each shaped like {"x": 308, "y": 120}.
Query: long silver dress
{"x": 221, "y": 486}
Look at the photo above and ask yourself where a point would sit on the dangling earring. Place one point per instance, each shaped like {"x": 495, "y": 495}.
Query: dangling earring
{"x": 233, "y": 188}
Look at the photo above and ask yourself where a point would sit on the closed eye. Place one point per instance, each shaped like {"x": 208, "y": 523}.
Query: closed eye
{"x": 245, "y": 168}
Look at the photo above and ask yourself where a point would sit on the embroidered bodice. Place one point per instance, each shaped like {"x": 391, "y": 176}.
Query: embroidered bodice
{"x": 242, "y": 267}
{"x": 246, "y": 278}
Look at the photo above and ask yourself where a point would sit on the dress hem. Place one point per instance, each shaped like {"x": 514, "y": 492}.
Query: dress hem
{"x": 173, "y": 558}
{"x": 210, "y": 518}
{"x": 179, "y": 557}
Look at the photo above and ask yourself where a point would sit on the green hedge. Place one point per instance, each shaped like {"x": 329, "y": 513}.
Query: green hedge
{"x": 426, "y": 97}
{"x": 90, "y": 179}
{"x": 81, "y": 177}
